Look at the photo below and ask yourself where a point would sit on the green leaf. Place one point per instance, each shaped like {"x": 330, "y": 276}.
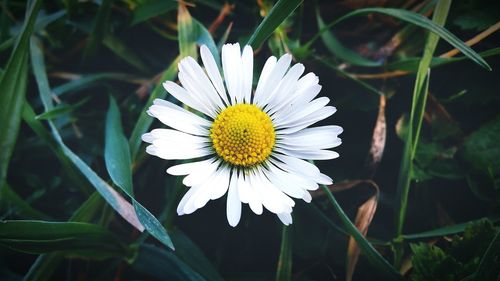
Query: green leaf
{"x": 125, "y": 52}
{"x": 79, "y": 239}
{"x": 284, "y": 269}
{"x": 163, "y": 265}
{"x": 203, "y": 37}
{"x": 340, "y": 51}
{"x": 280, "y": 11}
{"x": 488, "y": 266}
{"x": 61, "y": 110}
{"x": 116, "y": 150}
{"x": 481, "y": 148}
{"x": 13, "y": 84}
{"x": 87, "y": 81}
{"x": 45, "y": 265}
{"x": 419, "y": 100}
{"x": 187, "y": 34}
{"x": 193, "y": 256}
{"x": 153, "y": 8}
{"x": 374, "y": 257}
{"x": 16, "y": 204}
{"x": 98, "y": 31}
{"x": 118, "y": 163}
{"x": 418, "y": 20}
{"x": 447, "y": 230}
{"x": 145, "y": 120}
{"x": 411, "y": 64}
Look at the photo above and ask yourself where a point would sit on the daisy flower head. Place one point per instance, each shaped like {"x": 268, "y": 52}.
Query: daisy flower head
{"x": 252, "y": 145}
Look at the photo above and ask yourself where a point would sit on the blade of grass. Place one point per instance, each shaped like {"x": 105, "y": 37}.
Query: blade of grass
{"x": 73, "y": 238}
{"x": 122, "y": 206}
{"x": 340, "y": 51}
{"x": 374, "y": 257}
{"x": 489, "y": 261}
{"x": 417, "y": 20}
{"x": 419, "y": 100}
{"x": 163, "y": 265}
{"x": 446, "y": 230}
{"x": 146, "y": 10}
{"x": 186, "y": 32}
{"x": 98, "y": 31}
{"x": 280, "y": 11}
{"x": 13, "y": 84}
{"x": 284, "y": 269}
{"x": 45, "y": 265}
{"x": 119, "y": 166}
{"x": 84, "y": 81}
{"x": 20, "y": 206}
{"x": 125, "y": 52}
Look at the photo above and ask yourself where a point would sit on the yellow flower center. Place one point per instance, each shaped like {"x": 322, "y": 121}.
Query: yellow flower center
{"x": 243, "y": 135}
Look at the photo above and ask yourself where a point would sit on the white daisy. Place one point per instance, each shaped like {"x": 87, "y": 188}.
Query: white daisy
{"x": 253, "y": 147}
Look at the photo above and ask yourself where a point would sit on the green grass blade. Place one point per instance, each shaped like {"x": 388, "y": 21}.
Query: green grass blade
{"x": 116, "y": 150}
{"x": 374, "y": 257}
{"x": 98, "y": 31}
{"x": 16, "y": 204}
{"x": 284, "y": 269}
{"x": 420, "y": 93}
{"x": 119, "y": 165}
{"x": 74, "y": 238}
{"x": 163, "y": 265}
{"x": 186, "y": 33}
{"x": 145, "y": 120}
{"x": 447, "y": 230}
{"x": 45, "y": 265}
{"x": 489, "y": 261}
{"x": 340, "y": 51}
{"x": 193, "y": 256}
{"x": 418, "y": 20}
{"x": 13, "y": 84}
{"x": 146, "y": 10}
{"x": 280, "y": 11}
{"x": 86, "y": 81}
{"x": 125, "y": 52}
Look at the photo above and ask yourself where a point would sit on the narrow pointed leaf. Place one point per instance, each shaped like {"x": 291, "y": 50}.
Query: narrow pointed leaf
{"x": 13, "y": 84}
{"x": 280, "y": 11}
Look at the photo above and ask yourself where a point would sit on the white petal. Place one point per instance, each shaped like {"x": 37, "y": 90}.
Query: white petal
{"x": 272, "y": 80}
{"x": 304, "y": 168}
{"x": 177, "y": 153}
{"x": 220, "y": 183}
{"x": 188, "y": 168}
{"x": 312, "y": 138}
{"x": 285, "y": 173}
{"x": 266, "y": 70}
{"x": 285, "y": 218}
{"x": 307, "y": 197}
{"x": 194, "y": 79}
{"x": 273, "y": 199}
{"x": 186, "y": 98}
{"x": 282, "y": 94}
{"x": 297, "y": 104}
{"x": 233, "y": 202}
{"x": 184, "y": 200}
{"x": 213, "y": 72}
{"x": 247, "y": 69}
{"x": 308, "y": 120}
{"x": 178, "y": 118}
{"x": 232, "y": 66}
{"x": 300, "y": 115}
{"x": 309, "y": 154}
{"x": 204, "y": 171}
{"x": 174, "y": 136}
{"x": 285, "y": 184}
{"x": 254, "y": 199}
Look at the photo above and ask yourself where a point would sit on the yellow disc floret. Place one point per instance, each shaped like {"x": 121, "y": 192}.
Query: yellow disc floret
{"x": 243, "y": 135}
